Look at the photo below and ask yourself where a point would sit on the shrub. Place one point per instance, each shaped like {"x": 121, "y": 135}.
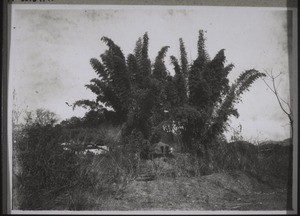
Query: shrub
{"x": 105, "y": 174}
{"x": 238, "y": 155}
{"x": 275, "y": 165}
{"x": 46, "y": 171}
{"x": 108, "y": 173}
{"x": 44, "y": 167}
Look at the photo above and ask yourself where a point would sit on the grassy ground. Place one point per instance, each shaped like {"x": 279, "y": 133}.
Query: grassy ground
{"x": 218, "y": 191}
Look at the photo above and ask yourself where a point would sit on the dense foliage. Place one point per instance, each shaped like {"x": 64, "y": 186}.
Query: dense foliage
{"x": 40, "y": 163}
{"x": 46, "y": 174}
{"x": 194, "y": 104}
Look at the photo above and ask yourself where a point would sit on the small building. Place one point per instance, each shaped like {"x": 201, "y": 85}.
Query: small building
{"x": 96, "y": 150}
{"x": 161, "y": 149}
{"x": 80, "y": 149}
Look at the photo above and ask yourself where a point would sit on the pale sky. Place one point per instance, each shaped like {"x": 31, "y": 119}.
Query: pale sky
{"x": 51, "y": 47}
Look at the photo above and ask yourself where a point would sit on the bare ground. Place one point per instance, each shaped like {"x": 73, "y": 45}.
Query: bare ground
{"x": 218, "y": 191}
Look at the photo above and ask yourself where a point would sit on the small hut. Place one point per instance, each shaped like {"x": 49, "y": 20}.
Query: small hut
{"x": 161, "y": 149}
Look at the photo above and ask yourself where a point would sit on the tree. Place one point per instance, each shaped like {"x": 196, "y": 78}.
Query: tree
{"x": 145, "y": 89}
{"x": 283, "y": 103}
{"x": 73, "y": 122}
{"x": 112, "y": 86}
{"x": 210, "y": 99}
{"x": 195, "y": 103}
{"x": 40, "y": 117}
{"x": 16, "y": 111}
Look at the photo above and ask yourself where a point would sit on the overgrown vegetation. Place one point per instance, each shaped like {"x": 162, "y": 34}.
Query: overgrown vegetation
{"x": 194, "y": 104}
{"x": 43, "y": 170}
{"x": 137, "y": 102}
{"x": 48, "y": 177}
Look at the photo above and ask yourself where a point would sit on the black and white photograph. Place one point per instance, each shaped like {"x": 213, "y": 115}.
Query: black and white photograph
{"x": 152, "y": 108}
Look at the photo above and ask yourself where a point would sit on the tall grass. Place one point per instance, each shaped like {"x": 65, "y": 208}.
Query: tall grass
{"x": 223, "y": 156}
{"x": 238, "y": 155}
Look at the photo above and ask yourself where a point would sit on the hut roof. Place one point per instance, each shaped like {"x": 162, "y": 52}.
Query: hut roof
{"x": 161, "y": 143}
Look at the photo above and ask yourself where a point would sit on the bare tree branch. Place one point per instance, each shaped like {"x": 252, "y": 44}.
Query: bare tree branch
{"x": 274, "y": 89}
{"x": 268, "y": 85}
